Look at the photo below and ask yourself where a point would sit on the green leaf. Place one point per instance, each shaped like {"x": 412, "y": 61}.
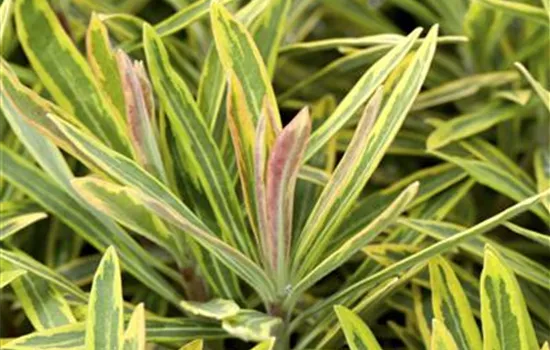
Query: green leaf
{"x": 539, "y": 89}
{"x": 361, "y": 91}
{"x": 44, "y": 305}
{"x": 358, "y": 335}
{"x": 216, "y": 308}
{"x": 14, "y": 223}
{"x": 69, "y": 336}
{"x": 21, "y": 105}
{"x": 362, "y": 41}
{"x": 8, "y": 276}
{"x": 6, "y": 9}
{"x": 528, "y": 12}
{"x": 104, "y": 322}
{"x": 80, "y": 271}
{"x": 422, "y": 256}
{"x": 346, "y": 182}
{"x": 462, "y": 88}
{"x": 499, "y": 179}
{"x": 541, "y": 164}
{"x": 451, "y": 307}
{"x": 523, "y": 266}
{"x": 65, "y": 73}
{"x": 178, "y": 21}
{"x": 197, "y": 143}
{"x": 171, "y": 331}
{"x": 441, "y": 337}
{"x": 362, "y": 158}
{"x": 95, "y": 228}
{"x": 504, "y": 315}
{"x": 194, "y": 345}
{"x": 103, "y": 64}
{"x": 20, "y": 260}
{"x": 530, "y": 234}
{"x": 265, "y": 345}
{"x": 248, "y": 144}
{"x": 134, "y": 336}
{"x": 121, "y": 206}
{"x": 251, "y": 325}
{"x": 158, "y": 199}
{"x": 359, "y": 240}
{"x": 240, "y": 57}
{"x": 473, "y": 123}
{"x": 268, "y": 31}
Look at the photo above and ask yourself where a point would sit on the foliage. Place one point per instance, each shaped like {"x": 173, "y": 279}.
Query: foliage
{"x": 275, "y": 174}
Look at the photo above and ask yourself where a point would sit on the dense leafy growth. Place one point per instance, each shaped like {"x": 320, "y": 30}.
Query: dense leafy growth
{"x": 275, "y": 174}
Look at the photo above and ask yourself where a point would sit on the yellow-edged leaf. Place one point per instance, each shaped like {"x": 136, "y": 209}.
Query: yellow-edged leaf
{"x": 134, "y": 336}
{"x": 358, "y": 334}
{"x": 451, "y": 307}
{"x": 442, "y": 339}
{"x": 104, "y": 320}
{"x": 505, "y": 319}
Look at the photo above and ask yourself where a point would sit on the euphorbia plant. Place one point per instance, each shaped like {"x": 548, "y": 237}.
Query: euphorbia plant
{"x": 226, "y": 216}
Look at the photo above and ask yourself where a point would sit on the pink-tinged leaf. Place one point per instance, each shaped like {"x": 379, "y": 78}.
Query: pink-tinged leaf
{"x": 139, "y": 108}
{"x": 260, "y": 156}
{"x": 282, "y": 171}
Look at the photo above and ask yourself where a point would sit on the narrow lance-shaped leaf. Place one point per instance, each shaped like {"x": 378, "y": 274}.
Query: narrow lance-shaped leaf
{"x": 104, "y": 321}
{"x": 539, "y": 89}
{"x": 505, "y": 319}
{"x": 6, "y": 9}
{"x": 65, "y": 73}
{"x": 90, "y": 224}
{"x": 493, "y": 176}
{"x": 353, "y": 172}
{"x": 240, "y": 56}
{"x": 515, "y": 8}
{"x": 282, "y": 171}
{"x": 7, "y": 276}
{"x": 121, "y": 206}
{"x": 532, "y": 235}
{"x": 359, "y": 240}
{"x": 217, "y": 309}
{"x": 522, "y": 265}
{"x": 196, "y": 142}
{"x": 473, "y": 123}
{"x": 441, "y": 337}
{"x": 231, "y": 257}
{"x": 361, "y": 91}
{"x": 358, "y": 334}
{"x": 265, "y": 345}
{"x": 43, "y": 304}
{"x": 541, "y": 164}
{"x": 20, "y": 260}
{"x": 243, "y": 135}
{"x": 347, "y": 169}
{"x": 103, "y": 64}
{"x": 421, "y": 257}
{"x": 19, "y": 105}
{"x": 268, "y": 31}
{"x": 194, "y": 345}
{"x": 157, "y": 198}
{"x": 170, "y": 331}
{"x": 134, "y": 336}
{"x": 451, "y": 307}
{"x": 139, "y": 109}
{"x": 13, "y": 224}
{"x": 251, "y": 325}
